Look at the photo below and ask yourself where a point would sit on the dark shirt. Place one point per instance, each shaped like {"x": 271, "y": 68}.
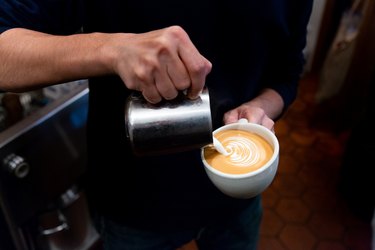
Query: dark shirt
{"x": 251, "y": 44}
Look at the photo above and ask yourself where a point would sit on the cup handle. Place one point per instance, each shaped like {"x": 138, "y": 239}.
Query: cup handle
{"x": 243, "y": 120}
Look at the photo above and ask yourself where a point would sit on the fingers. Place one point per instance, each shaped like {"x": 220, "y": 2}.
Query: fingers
{"x": 151, "y": 94}
{"x": 142, "y": 80}
{"x": 181, "y": 66}
{"x": 182, "y": 71}
{"x": 161, "y": 63}
{"x": 198, "y": 78}
{"x": 252, "y": 114}
{"x": 172, "y": 77}
{"x": 197, "y": 66}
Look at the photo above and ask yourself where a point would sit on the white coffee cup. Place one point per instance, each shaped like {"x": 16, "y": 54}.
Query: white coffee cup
{"x": 250, "y": 184}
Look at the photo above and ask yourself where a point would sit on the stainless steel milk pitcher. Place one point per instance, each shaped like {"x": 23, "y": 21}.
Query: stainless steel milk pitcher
{"x": 170, "y": 126}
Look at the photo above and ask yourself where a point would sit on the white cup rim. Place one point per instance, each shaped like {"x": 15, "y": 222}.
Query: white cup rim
{"x": 274, "y": 142}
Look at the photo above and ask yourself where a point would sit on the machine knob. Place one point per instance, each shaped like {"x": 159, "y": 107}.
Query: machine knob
{"x": 16, "y": 165}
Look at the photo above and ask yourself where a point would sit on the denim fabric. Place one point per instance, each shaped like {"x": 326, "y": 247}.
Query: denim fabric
{"x": 239, "y": 233}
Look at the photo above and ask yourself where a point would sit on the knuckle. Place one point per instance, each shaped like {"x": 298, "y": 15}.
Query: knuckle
{"x": 199, "y": 68}
{"x": 176, "y": 34}
{"x": 145, "y": 71}
{"x": 176, "y": 30}
{"x": 141, "y": 74}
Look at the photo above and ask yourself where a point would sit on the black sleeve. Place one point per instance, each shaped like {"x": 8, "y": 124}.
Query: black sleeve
{"x": 288, "y": 58}
{"x": 50, "y": 16}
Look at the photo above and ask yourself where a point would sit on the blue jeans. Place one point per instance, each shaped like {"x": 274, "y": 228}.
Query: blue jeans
{"x": 241, "y": 233}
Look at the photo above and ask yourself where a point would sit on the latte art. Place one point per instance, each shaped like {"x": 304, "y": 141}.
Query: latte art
{"x": 247, "y": 152}
{"x": 243, "y": 152}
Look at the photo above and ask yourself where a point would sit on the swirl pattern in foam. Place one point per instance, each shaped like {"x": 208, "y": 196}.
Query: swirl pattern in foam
{"x": 247, "y": 152}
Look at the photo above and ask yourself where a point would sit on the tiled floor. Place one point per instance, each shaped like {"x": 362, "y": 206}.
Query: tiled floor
{"x": 303, "y": 208}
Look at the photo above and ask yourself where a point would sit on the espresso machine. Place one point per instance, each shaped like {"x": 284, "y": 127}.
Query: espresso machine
{"x": 42, "y": 160}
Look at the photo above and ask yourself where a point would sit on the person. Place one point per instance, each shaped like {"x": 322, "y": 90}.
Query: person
{"x": 249, "y": 54}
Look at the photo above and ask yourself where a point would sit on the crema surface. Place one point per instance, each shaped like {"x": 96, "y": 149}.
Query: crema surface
{"x": 247, "y": 152}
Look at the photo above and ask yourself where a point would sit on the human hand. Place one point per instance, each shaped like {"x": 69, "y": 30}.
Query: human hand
{"x": 263, "y": 109}
{"x": 160, "y": 63}
{"x": 253, "y": 114}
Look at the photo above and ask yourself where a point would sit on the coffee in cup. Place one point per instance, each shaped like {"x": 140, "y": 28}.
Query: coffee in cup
{"x": 251, "y": 164}
{"x": 247, "y": 152}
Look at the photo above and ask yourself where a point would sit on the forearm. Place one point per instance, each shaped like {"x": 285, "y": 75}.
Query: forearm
{"x": 270, "y": 101}
{"x": 263, "y": 109}
{"x": 32, "y": 59}
{"x": 158, "y": 63}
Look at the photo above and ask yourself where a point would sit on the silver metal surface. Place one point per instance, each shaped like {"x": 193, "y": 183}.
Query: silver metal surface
{"x": 42, "y": 158}
{"x": 170, "y": 126}
{"x": 16, "y": 165}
